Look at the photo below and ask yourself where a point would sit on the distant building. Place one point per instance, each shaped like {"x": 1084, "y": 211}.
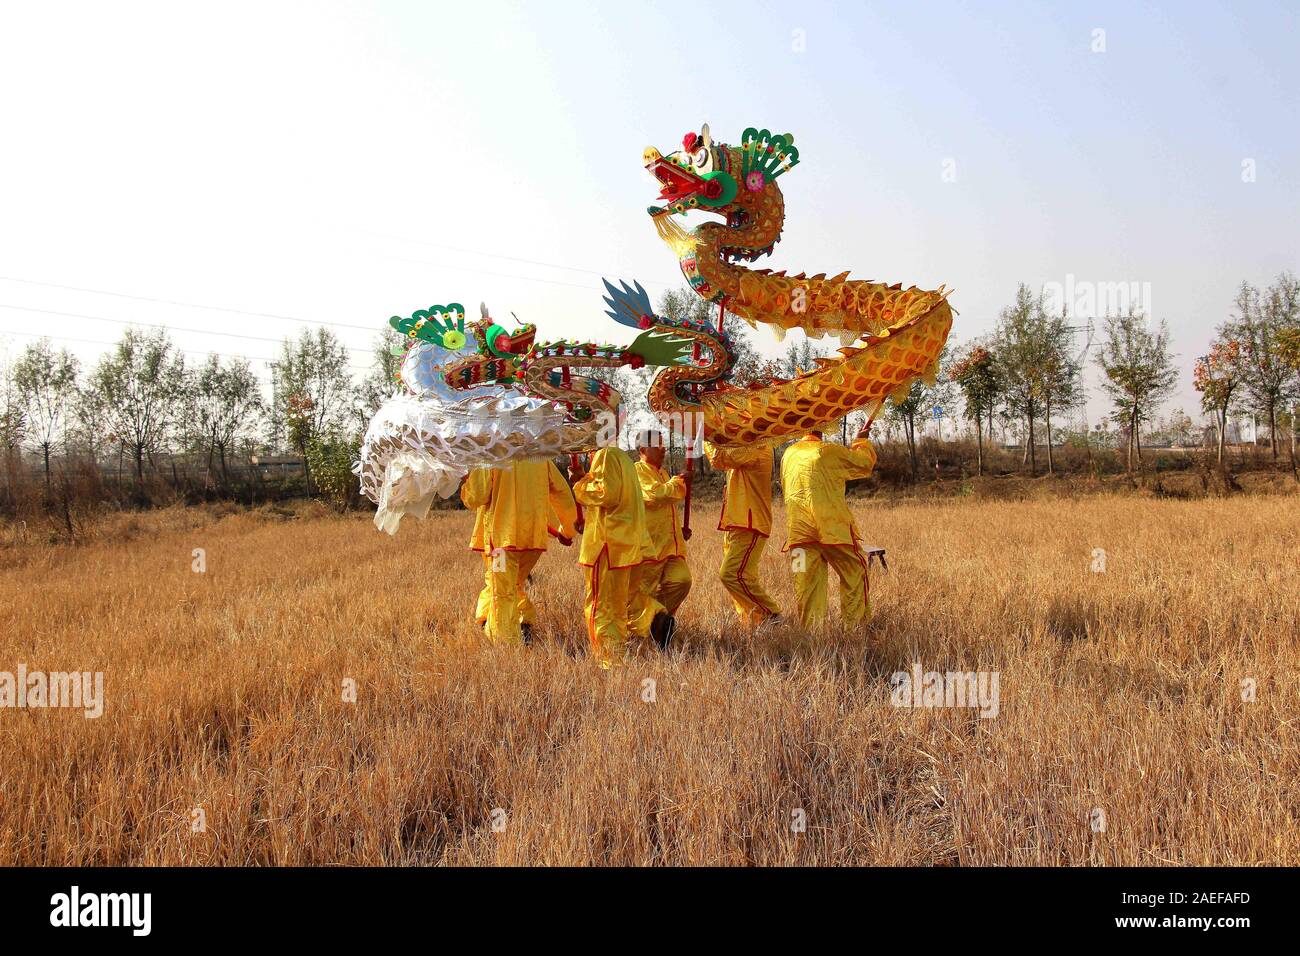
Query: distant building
{"x": 277, "y": 466}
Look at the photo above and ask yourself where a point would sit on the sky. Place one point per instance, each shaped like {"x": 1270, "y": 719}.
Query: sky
{"x": 237, "y": 172}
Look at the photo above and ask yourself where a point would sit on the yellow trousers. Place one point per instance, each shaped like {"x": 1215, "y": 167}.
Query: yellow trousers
{"x": 485, "y": 595}
{"x": 508, "y": 602}
{"x": 606, "y": 610}
{"x": 809, "y": 561}
{"x": 742, "y": 552}
{"x": 656, "y": 586}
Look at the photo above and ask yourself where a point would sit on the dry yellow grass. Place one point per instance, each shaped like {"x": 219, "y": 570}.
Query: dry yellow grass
{"x": 1119, "y": 691}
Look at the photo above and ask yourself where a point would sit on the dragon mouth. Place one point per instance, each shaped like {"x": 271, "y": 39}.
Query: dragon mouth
{"x": 517, "y": 344}
{"x": 679, "y": 187}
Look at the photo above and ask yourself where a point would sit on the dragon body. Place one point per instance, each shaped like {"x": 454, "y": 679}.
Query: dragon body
{"x": 889, "y": 335}
{"x": 480, "y": 395}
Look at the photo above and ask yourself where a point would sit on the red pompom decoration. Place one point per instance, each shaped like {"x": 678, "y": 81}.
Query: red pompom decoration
{"x": 689, "y": 141}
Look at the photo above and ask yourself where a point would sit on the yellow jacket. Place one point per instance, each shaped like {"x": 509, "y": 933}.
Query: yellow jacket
{"x": 813, "y": 473}
{"x": 661, "y": 494}
{"x": 476, "y": 492}
{"x": 517, "y": 505}
{"x": 614, "y": 511}
{"x": 747, "y": 500}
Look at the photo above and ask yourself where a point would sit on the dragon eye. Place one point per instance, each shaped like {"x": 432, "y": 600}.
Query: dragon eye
{"x": 701, "y": 157}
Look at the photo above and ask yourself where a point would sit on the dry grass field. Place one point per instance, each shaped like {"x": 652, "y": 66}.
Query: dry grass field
{"x": 1120, "y": 692}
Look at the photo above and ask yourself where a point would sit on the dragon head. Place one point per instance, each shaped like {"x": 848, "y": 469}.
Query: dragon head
{"x": 736, "y": 182}
{"x": 446, "y": 357}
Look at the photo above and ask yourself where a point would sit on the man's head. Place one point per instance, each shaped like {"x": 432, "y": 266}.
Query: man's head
{"x": 650, "y": 446}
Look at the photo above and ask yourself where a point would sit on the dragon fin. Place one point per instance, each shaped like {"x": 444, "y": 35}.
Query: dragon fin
{"x": 628, "y": 304}
{"x": 661, "y": 348}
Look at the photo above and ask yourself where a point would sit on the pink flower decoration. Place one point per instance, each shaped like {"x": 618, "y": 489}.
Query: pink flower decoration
{"x": 755, "y": 181}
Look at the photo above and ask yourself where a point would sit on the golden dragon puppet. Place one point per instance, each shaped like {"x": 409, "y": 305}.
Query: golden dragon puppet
{"x": 889, "y": 335}
{"x": 481, "y": 395}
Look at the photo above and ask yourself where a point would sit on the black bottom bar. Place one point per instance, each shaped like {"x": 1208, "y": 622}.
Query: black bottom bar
{"x": 333, "y": 906}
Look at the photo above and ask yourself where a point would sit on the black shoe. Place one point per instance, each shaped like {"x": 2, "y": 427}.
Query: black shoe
{"x": 662, "y": 629}
{"x": 526, "y": 632}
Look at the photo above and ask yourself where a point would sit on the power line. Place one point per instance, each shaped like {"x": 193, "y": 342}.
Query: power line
{"x": 187, "y": 305}
{"x": 497, "y": 255}
{"x": 156, "y": 325}
{"x": 499, "y": 275}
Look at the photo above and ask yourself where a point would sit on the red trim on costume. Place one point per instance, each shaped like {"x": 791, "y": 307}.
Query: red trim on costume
{"x": 740, "y": 574}
{"x": 735, "y": 527}
{"x": 595, "y": 601}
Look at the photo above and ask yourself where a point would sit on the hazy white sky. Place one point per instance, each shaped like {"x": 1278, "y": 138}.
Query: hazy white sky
{"x": 344, "y": 162}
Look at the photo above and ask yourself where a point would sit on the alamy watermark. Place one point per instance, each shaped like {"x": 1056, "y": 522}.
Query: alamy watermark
{"x": 75, "y": 908}
{"x": 1088, "y": 299}
{"x": 974, "y": 689}
{"x": 78, "y": 690}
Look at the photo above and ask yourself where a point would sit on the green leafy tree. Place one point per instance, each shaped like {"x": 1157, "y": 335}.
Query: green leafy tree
{"x": 312, "y": 392}
{"x": 1139, "y": 374}
{"x": 919, "y": 403}
{"x": 138, "y": 388}
{"x": 380, "y": 381}
{"x": 1260, "y": 324}
{"x": 1289, "y": 350}
{"x": 47, "y": 381}
{"x": 1022, "y": 349}
{"x": 223, "y": 405}
{"x": 976, "y": 375}
{"x": 330, "y": 458}
{"x": 13, "y": 424}
{"x": 1217, "y": 376}
{"x": 1060, "y": 377}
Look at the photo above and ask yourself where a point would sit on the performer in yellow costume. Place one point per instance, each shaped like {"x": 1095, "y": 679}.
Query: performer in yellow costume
{"x": 613, "y": 539}
{"x": 521, "y": 504}
{"x": 746, "y": 522}
{"x": 662, "y": 579}
{"x": 477, "y": 486}
{"x": 820, "y": 526}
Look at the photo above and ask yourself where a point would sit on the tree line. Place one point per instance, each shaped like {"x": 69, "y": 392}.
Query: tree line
{"x": 1028, "y": 373}
{"x": 143, "y": 405}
